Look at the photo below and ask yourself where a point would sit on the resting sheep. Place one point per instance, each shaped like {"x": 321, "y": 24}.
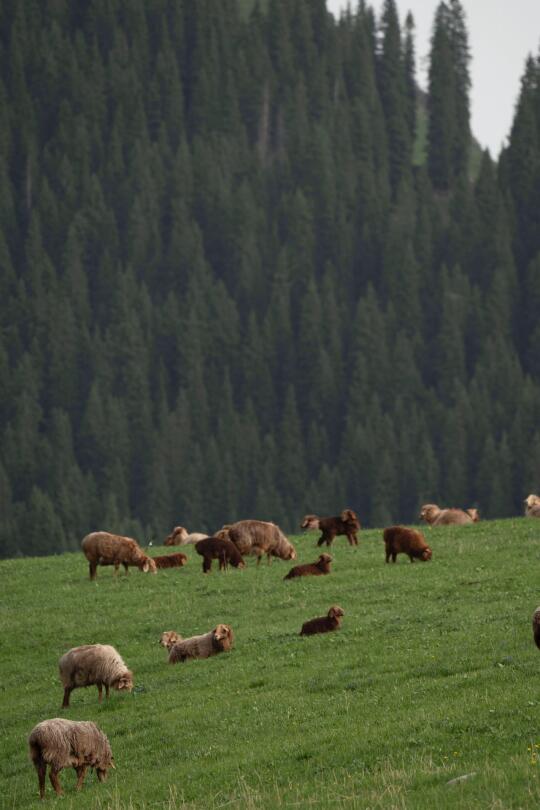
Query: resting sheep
{"x": 63, "y": 743}
{"x": 532, "y": 506}
{"x": 218, "y": 640}
{"x": 217, "y": 548}
{"x": 93, "y": 665}
{"x": 170, "y": 560}
{"x": 180, "y": 537}
{"x": 431, "y": 513}
{"x": 169, "y": 638}
{"x": 346, "y": 523}
{"x": 400, "y": 540}
{"x": 536, "y": 626}
{"x": 323, "y": 624}
{"x": 259, "y": 537}
{"x": 322, "y": 566}
{"x": 102, "y": 548}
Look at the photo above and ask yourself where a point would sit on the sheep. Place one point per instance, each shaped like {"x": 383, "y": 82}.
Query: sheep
{"x": 102, "y": 548}
{"x": 169, "y": 638}
{"x": 323, "y": 624}
{"x": 216, "y": 548}
{"x": 259, "y": 537}
{"x": 93, "y": 664}
{"x": 532, "y": 506}
{"x": 536, "y": 626}
{"x": 220, "y": 639}
{"x": 346, "y": 523}
{"x": 170, "y": 560}
{"x": 400, "y": 540}
{"x": 431, "y": 514}
{"x": 321, "y": 566}
{"x": 180, "y": 537}
{"x": 62, "y": 743}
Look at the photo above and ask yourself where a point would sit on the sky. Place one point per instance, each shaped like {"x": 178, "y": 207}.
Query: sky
{"x": 501, "y": 35}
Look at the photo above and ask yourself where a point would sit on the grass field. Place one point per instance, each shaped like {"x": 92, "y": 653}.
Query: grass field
{"x": 434, "y": 675}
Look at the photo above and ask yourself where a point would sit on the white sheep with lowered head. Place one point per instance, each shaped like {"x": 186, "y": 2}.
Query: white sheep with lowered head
{"x": 93, "y": 665}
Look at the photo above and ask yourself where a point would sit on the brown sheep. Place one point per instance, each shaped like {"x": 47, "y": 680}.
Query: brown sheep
{"x": 322, "y": 566}
{"x": 169, "y": 638}
{"x": 400, "y": 540}
{"x": 323, "y": 624}
{"x": 346, "y": 523}
{"x": 218, "y": 640}
{"x": 170, "y": 560}
{"x": 102, "y": 548}
{"x": 61, "y": 743}
{"x": 536, "y": 626}
{"x": 431, "y": 514}
{"x": 532, "y": 506}
{"x": 259, "y": 537}
{"x": 93, "y": 665}
{"x": 216, "y": 548}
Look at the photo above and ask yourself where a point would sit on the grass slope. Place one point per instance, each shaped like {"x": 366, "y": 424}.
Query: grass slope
{"x": 433, "y": 675}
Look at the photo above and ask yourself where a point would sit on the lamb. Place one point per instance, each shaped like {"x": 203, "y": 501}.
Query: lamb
{"x": 400, "y": 540}
{"x": 63, "y": 743}
{"x": 346, "y": 523}
{"x": 93, "y": 664}
{"x": 169, "y": 638}
{"x": 180, "y": 537}
{"x": 536, "y": 626}
{"x": 170, "y": 560}
{"x": 431, "y": 513}
{"x": 321, "y": 566}
{"x": 218, "y": 640}
{"x": 102, "y": 548}
{"x": 532, "y": 506}
{"x": 216, "y": 548}
{"x": 323, "y": 624}
{"x": 259, "y": 537}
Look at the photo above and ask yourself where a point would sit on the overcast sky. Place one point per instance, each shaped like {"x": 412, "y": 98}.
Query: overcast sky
{"x": 501, "y": 35}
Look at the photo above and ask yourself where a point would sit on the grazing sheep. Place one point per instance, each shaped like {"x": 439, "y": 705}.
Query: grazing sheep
{"x": 218, "y": 640}
{"x": 169, "y": 638}
{"x": 63, "y": 743}
{"x": 102, "y": 548}
{"x": 259, "y": 537}
{"x": 346, "y": 523}
{"x": 180, "y": 537}
{"x": 170, "y": 560}
{"x": 93, "y": 665}
{"x": 400, "y": 540}
{"x": 322, "y": 566}
{"x": 431, "y": 514}
{"x": 216, "y": 548}
{"x": 532, "y": 506}
{"x": 536, "y": 626}
{"x": 323, "y": 624}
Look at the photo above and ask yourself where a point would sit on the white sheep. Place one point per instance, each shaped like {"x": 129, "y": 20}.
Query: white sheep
{"x": 93, "y": 665}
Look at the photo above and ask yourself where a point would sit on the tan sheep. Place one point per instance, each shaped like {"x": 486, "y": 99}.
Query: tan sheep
{"x": 218, "y": 640}
{"x": 259, "y": 537}
{"x": 532, "y": 506}
{"x": 435, "y": 516}
{"x": 93, "y": 665}
{"x": 169, "y": 638}
{"x": 61, "y": 743}
{"x": 102, "y": 548}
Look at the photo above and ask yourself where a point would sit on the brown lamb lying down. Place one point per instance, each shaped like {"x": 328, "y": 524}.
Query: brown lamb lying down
{"x": 346, "y": 523}
{"x": 218, "y": 548}
{"x": 170, "y": 560}
{"x": 169, "y": 638}
{"x": 63, "y": 743}
{"x": 93, "y": 665}
{"x": 323, "y": 624}
{"x": 322, "y": 566}
{"x": 431, "y": 513}
{"x": 259, "y": 537}
{"x": 218, "y": 640}
{"x": 532, "y": 506}
{"x": 400, "y": 540}
{"x": 102, "y": 548}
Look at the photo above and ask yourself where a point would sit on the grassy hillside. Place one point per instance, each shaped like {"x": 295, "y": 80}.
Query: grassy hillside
{"x": 434, "y": 675}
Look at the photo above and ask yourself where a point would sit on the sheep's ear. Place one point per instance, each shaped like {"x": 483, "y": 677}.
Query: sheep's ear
{"x": 113, "y": 766}
{"x": 146, "y": 567}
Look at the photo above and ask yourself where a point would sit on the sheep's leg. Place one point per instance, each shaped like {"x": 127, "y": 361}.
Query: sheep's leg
{"x": 41, "y": 768}
{"x": 100, "y": 692}
{"x": 107, "y": 691}
{"x": 394, "y": 555}
{"x": 81, "y": 773}
{"x": 126, "y": 568}
{"x": 55, "y": 782}
{"x": 207, "y": 564}
{"x": 387, "y": 556}
{"x": 411, "y": 557}
{"x": 67, "y": 693}
{"x": 93, "y": 570}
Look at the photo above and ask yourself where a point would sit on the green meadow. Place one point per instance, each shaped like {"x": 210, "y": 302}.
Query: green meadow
{"x": 433, "y": 676}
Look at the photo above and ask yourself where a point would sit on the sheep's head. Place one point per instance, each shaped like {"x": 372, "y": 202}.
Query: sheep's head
{"x": 310, "y": 522}
{"x": 532, "y": 500}
{"x": 149, "y": 565}
{"x": 325, "y": 558}
{"x": 223, "y": 533}
{"x": 426, "y": 554}
{"x": 473, "y": 514}
{"x": 176, "y": 537}
{"x": 222, "y": 637}
{"x": 125, "y": 681}
{"x": 335, "y": 612}
{"x": 429, "y": 512}
{"x": 169, "y": 638}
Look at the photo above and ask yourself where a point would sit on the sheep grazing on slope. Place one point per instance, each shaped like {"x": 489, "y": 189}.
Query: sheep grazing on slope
{"x": 217, "y": 548}
{"x": 435, "y": 516}
{"x": 400, "y": 540}
{"x": 170, "y": 560}
{"x": 218, "y": 640}
{"x": 323, "y": 624}
{"x": 536, "y": 626}
{"x": 346, "y": 523}
{"x": 322, "y": 566}
{"x": 102, "y": 548}
{"x": 169, "y": 638}
{"x": 61, "y": 743}
{"x": 93, "y": 665}
{"x": 180, "y": 537}
{"x": 532, "y": 506}
{"x": 259, "y": 537}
